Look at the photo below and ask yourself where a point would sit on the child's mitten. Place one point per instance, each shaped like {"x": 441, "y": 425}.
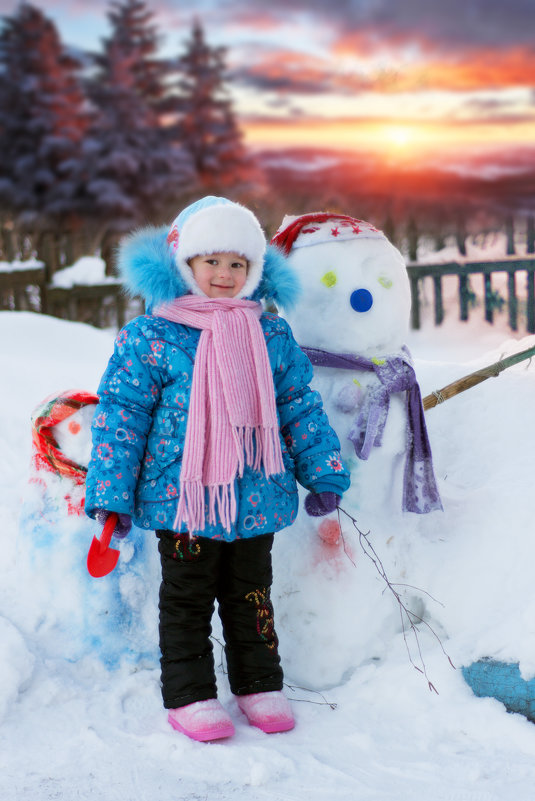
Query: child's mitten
{"x": 123, "y": 525}
{"x": 321, "y": 503}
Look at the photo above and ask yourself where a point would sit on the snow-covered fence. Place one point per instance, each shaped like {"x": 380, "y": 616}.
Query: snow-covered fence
{"x": 23, "y": 286}
{"x": 82, "y": 293}
{"x": 464, "y": 270}
{"x": 101, "y": 305}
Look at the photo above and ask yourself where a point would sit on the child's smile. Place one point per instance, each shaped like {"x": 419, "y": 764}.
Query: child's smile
{"x": 219, "y": 275}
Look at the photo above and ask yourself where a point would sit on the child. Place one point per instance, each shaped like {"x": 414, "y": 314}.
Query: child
{"x": 205, "y": 422}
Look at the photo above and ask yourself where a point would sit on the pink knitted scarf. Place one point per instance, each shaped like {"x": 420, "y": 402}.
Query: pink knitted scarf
{"x": 232, "y": 417}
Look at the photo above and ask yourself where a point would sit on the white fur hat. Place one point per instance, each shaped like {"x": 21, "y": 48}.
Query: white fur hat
{"x": 217, "y": 225}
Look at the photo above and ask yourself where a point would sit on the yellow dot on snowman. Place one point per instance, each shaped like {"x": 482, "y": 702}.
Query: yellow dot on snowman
{"x": 329, "y": 279}
{"x": 385, "y": 282}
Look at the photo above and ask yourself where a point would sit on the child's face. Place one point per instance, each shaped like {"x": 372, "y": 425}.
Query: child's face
{"x": 219, "y": 275}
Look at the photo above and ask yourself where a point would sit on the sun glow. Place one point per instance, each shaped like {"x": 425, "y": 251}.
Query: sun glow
{"x": 398, "y": 135}
{"x": 392, "y": 139}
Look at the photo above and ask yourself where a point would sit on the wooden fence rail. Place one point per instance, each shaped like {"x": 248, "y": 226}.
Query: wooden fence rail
{"x": 463, "y": 270}
{"x": 24, "y": 290}
{"x": 102, "y": 305}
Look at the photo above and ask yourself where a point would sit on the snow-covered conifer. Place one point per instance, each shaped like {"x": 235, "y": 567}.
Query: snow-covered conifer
{"x": 135, "y": 171}
{"x": 43, "y": 119}
{"x": 204, "y": 120}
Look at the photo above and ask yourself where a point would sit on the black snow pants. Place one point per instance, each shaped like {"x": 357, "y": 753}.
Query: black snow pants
{"x": 196, "y": 572}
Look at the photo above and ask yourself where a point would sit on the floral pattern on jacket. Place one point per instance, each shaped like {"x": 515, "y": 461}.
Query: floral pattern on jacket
{"x": 140, "y": 423}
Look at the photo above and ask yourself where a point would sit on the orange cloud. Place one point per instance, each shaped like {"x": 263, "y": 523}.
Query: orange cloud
{"x": 428, "y": 68}
{"x": 290, "y": 72}
{"x": 486, "y": 69}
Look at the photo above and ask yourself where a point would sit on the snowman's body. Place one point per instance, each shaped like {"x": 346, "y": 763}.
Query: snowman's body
{"x": 376, "y": 483}
{"x": 355, "y": 300}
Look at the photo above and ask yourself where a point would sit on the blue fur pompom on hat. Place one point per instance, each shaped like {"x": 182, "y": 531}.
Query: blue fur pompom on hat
{"x": 146, "y": 266}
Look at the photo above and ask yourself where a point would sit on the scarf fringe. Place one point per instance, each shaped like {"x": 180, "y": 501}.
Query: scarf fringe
{"x": 221, "y": 501}
{"x": 269, "y": 451}
{"x": 262, "y": 450}
{"x": 190, "y": 508}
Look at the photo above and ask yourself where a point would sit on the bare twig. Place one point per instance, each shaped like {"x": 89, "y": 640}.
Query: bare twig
{"x": 406, "y": 614}
{"x": 221, "y": 665}
{"x": 324, "y": 702}
{"x": 292, "y": 687}
{"x": 418, "y": 589}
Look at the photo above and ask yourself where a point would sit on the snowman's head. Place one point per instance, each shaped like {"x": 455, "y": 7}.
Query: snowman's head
{"x": 73, "y": 435}
{"x": 356, "y": 292}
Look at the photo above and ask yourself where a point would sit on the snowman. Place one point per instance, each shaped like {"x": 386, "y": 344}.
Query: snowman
{"x": 352, "y": 321}
{"x": 74, "y": 615}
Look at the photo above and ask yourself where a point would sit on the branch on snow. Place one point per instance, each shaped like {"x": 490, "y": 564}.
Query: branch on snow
{"x": 409, "y": 619}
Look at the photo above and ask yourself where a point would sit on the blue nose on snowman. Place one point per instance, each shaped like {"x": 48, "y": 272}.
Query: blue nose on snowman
{"x": 361, "y": 300}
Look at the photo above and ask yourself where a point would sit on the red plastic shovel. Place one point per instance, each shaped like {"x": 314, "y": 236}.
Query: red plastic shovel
{"x": 101, "y": 559}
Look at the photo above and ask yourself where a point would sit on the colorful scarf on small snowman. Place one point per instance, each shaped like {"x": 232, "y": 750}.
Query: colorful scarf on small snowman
{"x": 232, "y": 419}
{"x": 395, "y": 374}
{"x": 47, "y": 455}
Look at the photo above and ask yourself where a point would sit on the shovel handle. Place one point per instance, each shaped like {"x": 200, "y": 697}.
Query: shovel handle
{"x": 107, "y": 531}
{"x": 101, "y": 559}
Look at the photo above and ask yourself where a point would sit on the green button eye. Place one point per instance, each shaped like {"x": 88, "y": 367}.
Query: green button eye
{"x": 386, "y": 282}
{"x": 329, "y": 279}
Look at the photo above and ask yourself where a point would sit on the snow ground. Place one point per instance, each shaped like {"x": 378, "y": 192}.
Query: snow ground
{"x": 77, "y": 730}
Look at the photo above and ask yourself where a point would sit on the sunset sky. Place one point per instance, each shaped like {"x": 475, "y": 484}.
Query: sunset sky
{"x": 403, "y": 78}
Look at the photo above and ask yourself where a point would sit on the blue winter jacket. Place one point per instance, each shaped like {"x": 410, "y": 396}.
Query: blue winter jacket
{"x": 140, "y": 423}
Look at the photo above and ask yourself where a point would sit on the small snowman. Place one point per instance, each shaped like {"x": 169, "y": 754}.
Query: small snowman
{"x": 352, "y": 321}
{"x": 61, "y": 438}
{"x": 114, "y": 617}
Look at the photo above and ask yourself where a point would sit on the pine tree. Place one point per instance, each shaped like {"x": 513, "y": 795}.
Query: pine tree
{"x": 43, "y": 118}
{"x": 136, "y": 172}
{"x": 129, "y": 57}
{"x": 204, "y": 119}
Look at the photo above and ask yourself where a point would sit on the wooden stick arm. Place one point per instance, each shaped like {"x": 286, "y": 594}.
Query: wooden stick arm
{"x": 472, "y": 379}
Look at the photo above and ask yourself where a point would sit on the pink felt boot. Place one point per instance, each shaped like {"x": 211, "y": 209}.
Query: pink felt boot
{"x": 269, "y": 711}
{"x": 202, "y": 720}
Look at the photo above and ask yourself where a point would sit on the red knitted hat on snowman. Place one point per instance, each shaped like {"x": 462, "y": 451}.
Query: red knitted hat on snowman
{"x": 320, "y": 227}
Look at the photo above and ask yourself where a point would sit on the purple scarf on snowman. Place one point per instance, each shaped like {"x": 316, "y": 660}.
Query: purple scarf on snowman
{"x": 395, "y": 374}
